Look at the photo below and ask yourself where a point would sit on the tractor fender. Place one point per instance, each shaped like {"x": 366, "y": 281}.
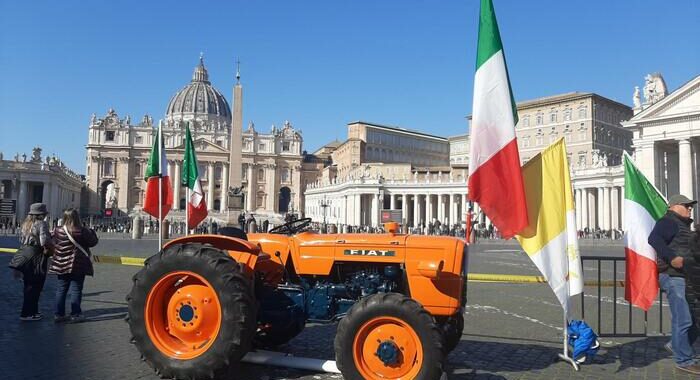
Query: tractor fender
{"x": 244, "y": 252}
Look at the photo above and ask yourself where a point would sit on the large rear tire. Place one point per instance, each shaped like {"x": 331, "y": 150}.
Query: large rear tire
{"x": 192, "y": 312}
{"x": 389, "y": 336}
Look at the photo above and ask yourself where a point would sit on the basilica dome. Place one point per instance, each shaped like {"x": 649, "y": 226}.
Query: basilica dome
{"x": 198, "y": 99}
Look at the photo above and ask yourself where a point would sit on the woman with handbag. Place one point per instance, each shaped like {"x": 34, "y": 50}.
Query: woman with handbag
{"x": 71, "y": 262}
{"x": 32, "y": 258}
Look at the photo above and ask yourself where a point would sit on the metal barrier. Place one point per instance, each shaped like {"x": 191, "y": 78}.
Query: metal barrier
{"x": 616, "y": 330}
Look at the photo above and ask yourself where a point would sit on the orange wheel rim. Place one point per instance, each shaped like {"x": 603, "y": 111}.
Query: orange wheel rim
{"x": 182, "y": 315}
{"x": 387, "y": 348}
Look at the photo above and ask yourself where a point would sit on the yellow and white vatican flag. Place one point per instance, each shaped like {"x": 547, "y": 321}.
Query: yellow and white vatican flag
{"x": 550, "y": 238}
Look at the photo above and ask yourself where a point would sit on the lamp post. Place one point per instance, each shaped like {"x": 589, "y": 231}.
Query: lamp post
{"x": 324, "y": 205}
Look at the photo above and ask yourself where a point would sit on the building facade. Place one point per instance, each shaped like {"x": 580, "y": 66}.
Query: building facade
{"x": 666, "y": 142}
{"x": 118, "y": 150}
{"x": 29, "y": 179}
{"x": 429, "y": 182}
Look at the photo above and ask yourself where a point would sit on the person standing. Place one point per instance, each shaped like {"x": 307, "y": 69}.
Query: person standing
{"x": 36, "y": 248}
{"x": 671, "y": 239}
{"x": 71, "y": 263}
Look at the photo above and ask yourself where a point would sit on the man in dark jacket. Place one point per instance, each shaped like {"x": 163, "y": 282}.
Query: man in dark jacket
{"x": 671, "y": 239}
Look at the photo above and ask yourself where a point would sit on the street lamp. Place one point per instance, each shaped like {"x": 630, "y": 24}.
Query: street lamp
{"x": 324, "y": 205}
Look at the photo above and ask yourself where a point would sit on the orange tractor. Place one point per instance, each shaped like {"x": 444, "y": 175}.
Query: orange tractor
{"x": 204, "y": 301}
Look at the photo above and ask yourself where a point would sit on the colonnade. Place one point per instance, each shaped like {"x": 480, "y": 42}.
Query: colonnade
{"x": 600, "y": 207}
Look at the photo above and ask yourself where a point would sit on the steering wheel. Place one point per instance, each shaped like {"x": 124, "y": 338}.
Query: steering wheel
{"x": 291, "y": 228}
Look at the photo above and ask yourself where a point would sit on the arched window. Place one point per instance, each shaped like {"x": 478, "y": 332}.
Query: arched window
{"x": 261, "y": 175}
{"x": 137, "y": 170}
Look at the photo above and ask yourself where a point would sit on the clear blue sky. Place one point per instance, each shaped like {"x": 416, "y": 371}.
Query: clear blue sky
{"x": 319, "y": 64}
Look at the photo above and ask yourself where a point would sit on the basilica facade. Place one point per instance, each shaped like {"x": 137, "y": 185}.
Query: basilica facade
{"x": 118, "y": 149}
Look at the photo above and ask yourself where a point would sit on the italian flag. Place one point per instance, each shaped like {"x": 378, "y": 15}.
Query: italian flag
{"x": 157, "y": 178}
{"x": 495, "y": 177}
{"x": 643, "y": 206}
{"x": 196, "y": 207}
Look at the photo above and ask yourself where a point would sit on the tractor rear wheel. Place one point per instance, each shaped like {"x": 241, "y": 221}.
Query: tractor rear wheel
{"x": 389, "y": 336}
{"x": 191, "y": 312}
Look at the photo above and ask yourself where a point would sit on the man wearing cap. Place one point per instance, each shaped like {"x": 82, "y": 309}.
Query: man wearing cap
{"x": 671, "y": 239}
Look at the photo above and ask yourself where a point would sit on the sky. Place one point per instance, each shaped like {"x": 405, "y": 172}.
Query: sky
{"x": 318, "y": 64}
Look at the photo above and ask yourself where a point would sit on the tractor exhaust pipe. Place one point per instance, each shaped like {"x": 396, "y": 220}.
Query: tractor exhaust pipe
{"x": 281, "y": 359}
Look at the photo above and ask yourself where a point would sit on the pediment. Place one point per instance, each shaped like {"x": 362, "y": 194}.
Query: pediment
{"x": 684, "y": 100}
{"x": 203, "y": 145}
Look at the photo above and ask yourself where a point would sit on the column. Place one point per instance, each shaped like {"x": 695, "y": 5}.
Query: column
{"x": 404, "y": 209}
{"x": 176, "y": 185}
{"x": 416, "y": 211}
{"x": 441, "y": 208}
{"x": 22, "y": 209}
{"x": 358, "y": 209}
{"x": 584, "y": 208}
{"x": 599, "y": 208}
{"x": 579, "y": 209}
{"x": 251, "y": 196}
{"x": 210, "y": 186}
{"x": 453, "y": 209}
{"x": 224, "y": 187}
{"x": 46, "y": 193}
{"x": 685, "y": 168}
{"x": 374, "y": 219}
{"x": 614, "y": 207}
{"x": 392, "y": 201}
{"x": 465, "y": 208}
{"x": 622, "y": 207}
{"x": 606, "y": 208}
{"x": 428, "y": 209}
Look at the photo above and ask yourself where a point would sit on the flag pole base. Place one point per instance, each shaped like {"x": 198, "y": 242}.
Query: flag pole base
{"x": 569, "y": 360}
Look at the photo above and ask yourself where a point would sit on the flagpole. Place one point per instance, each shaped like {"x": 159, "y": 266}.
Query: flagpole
{"x": 187, "y": 212}
{"x": 160, "y": 187}
{"x": 565, "y": 356}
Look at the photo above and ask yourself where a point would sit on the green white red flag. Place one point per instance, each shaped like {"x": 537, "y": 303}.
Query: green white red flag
{"x": 643, "y": 206}
{"x": 157, "y": 178}
{"x": 495, "y": 177}
{"x": 196, "y": 207}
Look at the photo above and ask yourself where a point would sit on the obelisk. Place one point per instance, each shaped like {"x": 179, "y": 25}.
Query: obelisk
{"x": 235, "y": 151}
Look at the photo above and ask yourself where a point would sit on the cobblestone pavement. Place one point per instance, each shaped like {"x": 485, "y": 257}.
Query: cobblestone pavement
{"x": 513, "y": 331}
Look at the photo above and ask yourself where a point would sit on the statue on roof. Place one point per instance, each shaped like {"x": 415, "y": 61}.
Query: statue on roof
{"x": 636, "y": 100}
{"x": 654, "y": 88}
{"x": 36, "y": 154}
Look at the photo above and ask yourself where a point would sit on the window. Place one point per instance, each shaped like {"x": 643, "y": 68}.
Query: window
{"x": 261, "y": 175}
{"x": 553, "y": 117}
{"x": 109, "y": 136}
{"x": 285, "y": 146}
{"x": 285, "y": 174}
{"x": 526, "y": 121}
{"x": 219, "y": 142}
{"x": 137, "y": 170}
{"x": 108, "y": 168}
{"x": 540, "y": 119}
{"x": 261, "y": 147}
{"x": 217, "y": 172}
{"x": 539, "y": 140}
{"x": 567, "y": 115}
{"x": 138, "y": 140}
{"x": 582, "y": 113}
{"x": 244, "y": 175}
{"x": 260, "y": 201}
{"x": 582, "y": 159}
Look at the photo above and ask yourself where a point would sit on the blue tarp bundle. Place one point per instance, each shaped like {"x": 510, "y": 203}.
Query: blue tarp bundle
{"x": 583, "y": 341}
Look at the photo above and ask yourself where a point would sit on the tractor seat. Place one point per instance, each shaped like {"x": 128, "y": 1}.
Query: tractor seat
{"x": 233, "y": 232}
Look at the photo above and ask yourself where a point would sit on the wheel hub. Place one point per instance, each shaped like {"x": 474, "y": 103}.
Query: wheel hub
{"x": 186, "y": 313}
{"x": 388, "y": 352}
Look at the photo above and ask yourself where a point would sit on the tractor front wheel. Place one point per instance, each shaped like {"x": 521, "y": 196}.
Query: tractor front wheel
{"x": 191, "y": 312}
{"x": 389, "y": 336}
